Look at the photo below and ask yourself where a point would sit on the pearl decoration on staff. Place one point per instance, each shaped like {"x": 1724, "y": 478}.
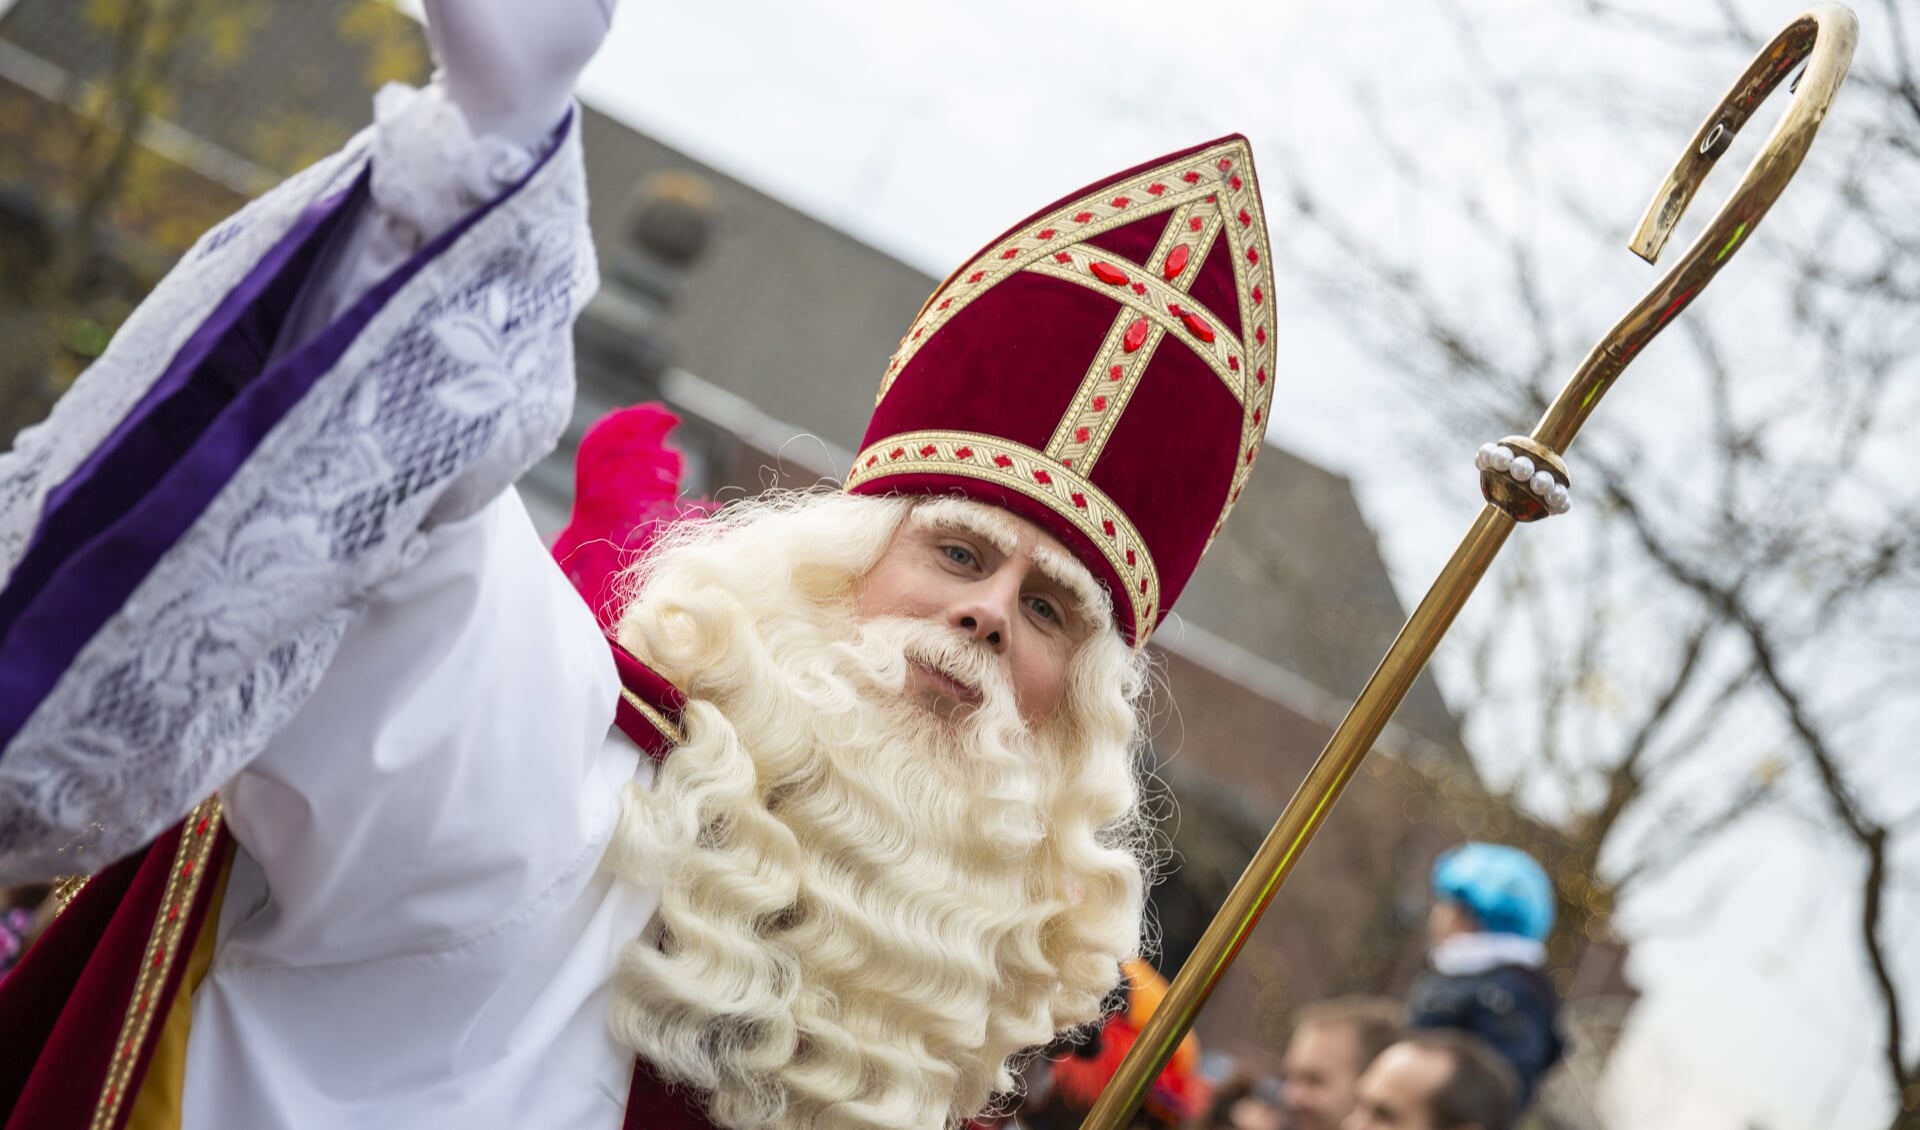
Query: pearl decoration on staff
{"x": 1500, "y": 459}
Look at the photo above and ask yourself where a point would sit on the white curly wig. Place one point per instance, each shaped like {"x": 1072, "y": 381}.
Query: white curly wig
{"x": 868, "y": 912}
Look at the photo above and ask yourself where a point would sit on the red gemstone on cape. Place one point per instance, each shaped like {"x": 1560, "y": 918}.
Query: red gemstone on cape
{"x": 1177, "y": 261}
{"x": 1198, "y": 328}
{"x": 200, "y": 829}
{"x": 1136, "y": 335}
{"x": 1107, "y": 272}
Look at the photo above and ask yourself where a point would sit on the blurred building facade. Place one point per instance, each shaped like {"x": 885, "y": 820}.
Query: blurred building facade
{"x": 767, "y": 331}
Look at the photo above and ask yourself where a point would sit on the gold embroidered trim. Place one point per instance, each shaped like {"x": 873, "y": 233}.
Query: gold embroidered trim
{"x": 1153, "y": 306}
{"x": 668, "y": 728}
{"x": 1040, "y": 477}
{"x": 189, "y": 871}
{"x": 1116, "y": 371}
{"x": 1114, "y": 205}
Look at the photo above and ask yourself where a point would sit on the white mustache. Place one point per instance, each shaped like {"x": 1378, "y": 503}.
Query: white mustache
{"x": 947, "y": 652}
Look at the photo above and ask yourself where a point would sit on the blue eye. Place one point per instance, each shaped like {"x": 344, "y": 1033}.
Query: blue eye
{"x": 1044, "y": 608}
{"x": 959, "y": 555}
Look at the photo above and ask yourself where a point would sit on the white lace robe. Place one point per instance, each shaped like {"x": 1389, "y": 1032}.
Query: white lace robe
{"x": 360, "y": 642}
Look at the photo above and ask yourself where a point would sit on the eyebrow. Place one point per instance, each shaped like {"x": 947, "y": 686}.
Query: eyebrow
{"x": 992, "y": 527}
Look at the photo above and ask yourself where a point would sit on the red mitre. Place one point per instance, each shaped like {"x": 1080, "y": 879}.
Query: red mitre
{"x": 1103, "y": 369}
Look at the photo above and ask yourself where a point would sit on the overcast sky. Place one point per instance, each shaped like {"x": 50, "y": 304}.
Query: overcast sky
{"x": 927, "y": 129}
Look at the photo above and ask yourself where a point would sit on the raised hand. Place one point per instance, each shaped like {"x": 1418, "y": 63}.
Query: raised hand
{"x": 510, "y": 65}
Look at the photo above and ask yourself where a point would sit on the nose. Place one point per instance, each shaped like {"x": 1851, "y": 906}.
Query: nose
{"x": 984, "y": 612}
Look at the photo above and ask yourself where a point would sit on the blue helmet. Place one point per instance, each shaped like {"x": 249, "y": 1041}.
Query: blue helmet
{"x": 1507, "y": 889}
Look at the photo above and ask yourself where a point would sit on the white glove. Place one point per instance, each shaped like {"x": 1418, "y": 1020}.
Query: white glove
{"x": 510, "y": 65}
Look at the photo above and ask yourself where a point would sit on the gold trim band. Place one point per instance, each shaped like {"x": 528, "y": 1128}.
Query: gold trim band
{"x": 1039, "y": 477}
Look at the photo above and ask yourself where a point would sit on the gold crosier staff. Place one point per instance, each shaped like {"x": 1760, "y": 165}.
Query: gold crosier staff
{"x": 1523, "y": 479}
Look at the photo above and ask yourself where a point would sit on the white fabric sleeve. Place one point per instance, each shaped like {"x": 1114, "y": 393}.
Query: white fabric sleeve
{"x": 458, "y": 380}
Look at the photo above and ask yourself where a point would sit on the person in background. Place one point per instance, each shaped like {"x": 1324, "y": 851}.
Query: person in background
{"x": 1439, "y": 1080}
{"x": 1493, "y": 910}
{"x": 1333, "y": 1042}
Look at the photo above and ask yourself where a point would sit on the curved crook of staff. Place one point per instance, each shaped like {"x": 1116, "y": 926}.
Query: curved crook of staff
{"x": 1523, "y": 479}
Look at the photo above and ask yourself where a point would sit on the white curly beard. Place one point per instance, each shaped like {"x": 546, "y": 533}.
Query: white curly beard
{"x": 869, "y": 908}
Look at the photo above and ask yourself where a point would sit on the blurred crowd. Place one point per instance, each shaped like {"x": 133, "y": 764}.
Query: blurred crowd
{"x": 1465, "y": 1050}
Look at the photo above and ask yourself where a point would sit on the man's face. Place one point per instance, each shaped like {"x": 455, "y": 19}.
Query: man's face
{"x": 1396, "y": 1093}
{"x": 995, "y": 579}
{"x": 1320, "y": 1069}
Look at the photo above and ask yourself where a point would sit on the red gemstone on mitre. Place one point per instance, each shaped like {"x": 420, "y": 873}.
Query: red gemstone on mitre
{"x": 1233, "y": 362}
{"x": 1002, "y": 461}
{"x": 1195, "y": 224}
{"x": 1106, "y": 526}
{"x": 1043, "y": 478}
{"x": 976, "y": 276}
{"x": 1143, "y": 586}
{"x": 1225, "y": 164}
{"x": 927, "y": 451}
{"x": 1253, "y": 255}
{"x": 1191, "y": 177}
{"x": 1257, "y": 413}
{"x": 1235, "y": 182}
{"x": 1067, "y": 463}
{"x": 1177, "y": 261}
{"x": 1139, "y": 288}
{"x": 872, "y": 459}
{"x": 896, "y": 453}
{"x": 1260, "y": 377}
{"x": 1260, "y": 334}
{"x": 1245, "y": 219}
{"x": 963, "y": 453}
{"x": 1045, "y": 233}
{"x": 1081, "y": 435}
{"x": 1136, "y": 335}
{"x": 1198, "y": 328}
{"x": 1107, "y": 273}
{"x": 1099, "y": 404}
{"x": 945, "y": 302}
{"x": 1062, "y": 257}
{"x": 1130, "y": 558}
{"x": 1121, "y": 202}
{"x": 1116, "y": 373}
{"x": 1156, "y": 188}
{"x": 1082, "y": 217}
{"x": 1080, "y": 500}
{"x": 1010, "y": 253}
{"x": 1258, "y": 298}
